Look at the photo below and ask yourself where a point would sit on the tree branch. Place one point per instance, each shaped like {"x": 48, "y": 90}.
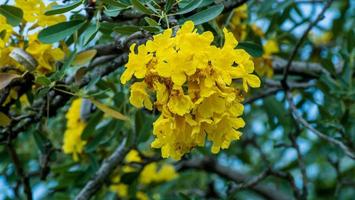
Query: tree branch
{"x": 231, "y": 5}
{"x": 19, "y": 170}
{"x": 323, "y": 136}
{"x": 210, "y": 165}
{"x": 103, "y": 172}
{"x": 300, "y": 42}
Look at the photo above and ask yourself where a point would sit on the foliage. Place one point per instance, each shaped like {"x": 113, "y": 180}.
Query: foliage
{"x": 88, "y": 87}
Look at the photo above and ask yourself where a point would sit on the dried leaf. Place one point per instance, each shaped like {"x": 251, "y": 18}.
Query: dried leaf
{"x": 6, "y": 78}
{"x": 109, "y": 111}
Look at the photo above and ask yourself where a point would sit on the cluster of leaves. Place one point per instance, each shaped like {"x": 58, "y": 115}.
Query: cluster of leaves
{"x": 95, "y": 39}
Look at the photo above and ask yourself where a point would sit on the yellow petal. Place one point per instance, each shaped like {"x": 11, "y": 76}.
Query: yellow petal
{"x": 253, "y": 81}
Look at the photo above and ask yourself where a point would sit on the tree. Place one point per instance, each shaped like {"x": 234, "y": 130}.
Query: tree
{"x": 177, "y": 99}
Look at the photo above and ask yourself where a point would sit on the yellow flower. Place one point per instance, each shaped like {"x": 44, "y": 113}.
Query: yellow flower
{"x": 237, "y": 23}
{"x": 139, "y": 96}
{"x": 72, "y": 143}
{"x": 121, "y": 189}
{"x": 323, "y": 39}
{"x": 133, "y": 156}
{"x": 192, "y": 83}
{"x": 5, "y": 31}
{"x": 257, "y": 30}
{"x": 137, "y": 63}
{"x": 264, "y": 63}
{"x": 179, "y": 103}
{"x": 33, "y": 11}
{"x": 151, "y": 174}
{"x": 271, "y": 47}
{"x": 142, "y": 196}
{"x": 45, "y": 54}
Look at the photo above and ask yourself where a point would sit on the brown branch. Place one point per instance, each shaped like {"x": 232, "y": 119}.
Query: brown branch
{"x": 20, "y": 171}
{"x": 300, "y": 163}
{"x": 349, "y": 152}
{"x": 103, "y": 172}
{"x": 300, "y": 42}
{"x": 210, "y": 165}
{"x": 252, "y": 182}
{"x": 231, "y": 5}
{"x": 308, "y": 69}
{"x": 275, "y": 87}
{"x": 288, "y": 177}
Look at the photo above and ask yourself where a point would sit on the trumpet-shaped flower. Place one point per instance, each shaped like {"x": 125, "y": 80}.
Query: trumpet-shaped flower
{"x": 191, "y": 82}
{"x": 72, "y": 143}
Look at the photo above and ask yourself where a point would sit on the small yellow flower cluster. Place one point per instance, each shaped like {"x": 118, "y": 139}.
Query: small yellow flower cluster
{"x": 192, "y": 82}
{"x": 34, "y": 10}
{"x": 321, "y": 40}
{"x": 263, "y": 64}
{"x": 237, "y": 23}
{"x": 45, "y": 54}
{"x": 239, "y": 27}
{"x": 149, "y": 174}
{"x": 72, "y": 142}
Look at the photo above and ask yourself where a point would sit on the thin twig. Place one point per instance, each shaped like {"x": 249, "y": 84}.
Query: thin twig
{"x": 302, "y": 121}
{"x": 20, "y": 171}
{"x": 103, "y": 172}
{"x": 300, "y": 42}
{"x": 275, "y": 87}
{"x": 300, "y": 163}
{"x": 209, "y": 164}
{"x": 252, "y": 182}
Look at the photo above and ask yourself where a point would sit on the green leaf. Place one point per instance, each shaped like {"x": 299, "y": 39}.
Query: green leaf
{"x": 4, "y": 120}
{"x": 189, "y": 7}
{"x": 41, "y": 140}
{"x": 184, "y": 196}
{"x": 281, "y": 7}
{"x": 206, "y": 15}
{"x": 115, "y": 3}
{"x": 91, "y": 125}
{"x": 2, "y": 34}
{"x": 59, "y": 9}
{"x": 129, "y": 177}
{"x": 13, "y": 14}
{"x": 84, "y": 58}
{"x": 168, "y": 5}
{"x": 127, "y": 30}
{"x": 151, "y": 21}
{"x": 59, "y": 74}
{"x": 253, "y": 49}
{"x": 42, "y": 80}
{"x": 112, "y": 11}
{"x": 140, "y": 7}
{"x": 59, "y": 31}
{"x": 143, "y": 126}
{"x": 90, "y": 33}
{"x": 152, "y": 29}
{"x": 42, "y": 92}
{"x": 109, "y": 111}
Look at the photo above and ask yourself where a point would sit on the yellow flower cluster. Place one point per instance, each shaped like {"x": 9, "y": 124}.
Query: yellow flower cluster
{"x": 192, "y": 82}
{"x": 239, "y": 27}
{"x": 34, "y": 10}
{"x": 263, "y": 64}
{"x": 72, "y": 142}
{"x": 322, "y": 39}
{"x": 149, "y": 174}
{"x": 237, "y": 22}
{"x": 45, "y": 54}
